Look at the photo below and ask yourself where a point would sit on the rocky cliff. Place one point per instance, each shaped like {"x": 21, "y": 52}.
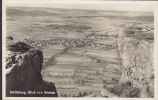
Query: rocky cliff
{"x": 135, "y": 44}
{"x": 23, "y": 77}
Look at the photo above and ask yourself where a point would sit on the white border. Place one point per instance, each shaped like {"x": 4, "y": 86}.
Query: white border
{"x": 156, "y": 49}
{"x": 42, "y": 3}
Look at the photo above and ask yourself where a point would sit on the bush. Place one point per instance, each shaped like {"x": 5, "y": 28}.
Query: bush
{"x": 128, "y": 31}
{"x": 19, "y": 47}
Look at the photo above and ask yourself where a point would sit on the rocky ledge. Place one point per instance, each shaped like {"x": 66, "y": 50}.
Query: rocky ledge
{"x": 135, "y": 43}
{"x": 136, "y": 50}
{"x": 23, "y": 77}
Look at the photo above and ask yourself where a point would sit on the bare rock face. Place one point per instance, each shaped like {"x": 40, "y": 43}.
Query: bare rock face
{"x": 23, "y": 76}
{"x": 137, "y": 59}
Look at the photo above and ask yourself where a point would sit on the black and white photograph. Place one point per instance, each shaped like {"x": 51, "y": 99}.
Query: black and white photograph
{"x": 76, "y": 50}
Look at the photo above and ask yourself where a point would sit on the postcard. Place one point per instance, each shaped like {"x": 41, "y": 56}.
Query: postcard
{"x": 79, "y": 49}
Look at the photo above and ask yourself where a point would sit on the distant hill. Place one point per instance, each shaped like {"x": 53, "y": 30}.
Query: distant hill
{"x": 18, "y": 12}
{"x": 80, "y": 13}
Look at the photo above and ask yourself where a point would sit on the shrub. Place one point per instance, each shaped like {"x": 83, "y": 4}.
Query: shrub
{"x": 19, "y": 47}
{"x": 128, "y": 31}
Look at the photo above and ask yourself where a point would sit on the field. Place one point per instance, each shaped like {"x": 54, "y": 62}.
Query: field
{"x": 80, "y": 47}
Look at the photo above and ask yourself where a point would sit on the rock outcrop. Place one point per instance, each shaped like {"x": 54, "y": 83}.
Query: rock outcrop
{"x": 136, "y": 51}
{"x": 23, "y": 77}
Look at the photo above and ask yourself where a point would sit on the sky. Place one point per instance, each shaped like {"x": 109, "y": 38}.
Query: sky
{"x": 115, "y": 7}
{"x": 94, "y": 5}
